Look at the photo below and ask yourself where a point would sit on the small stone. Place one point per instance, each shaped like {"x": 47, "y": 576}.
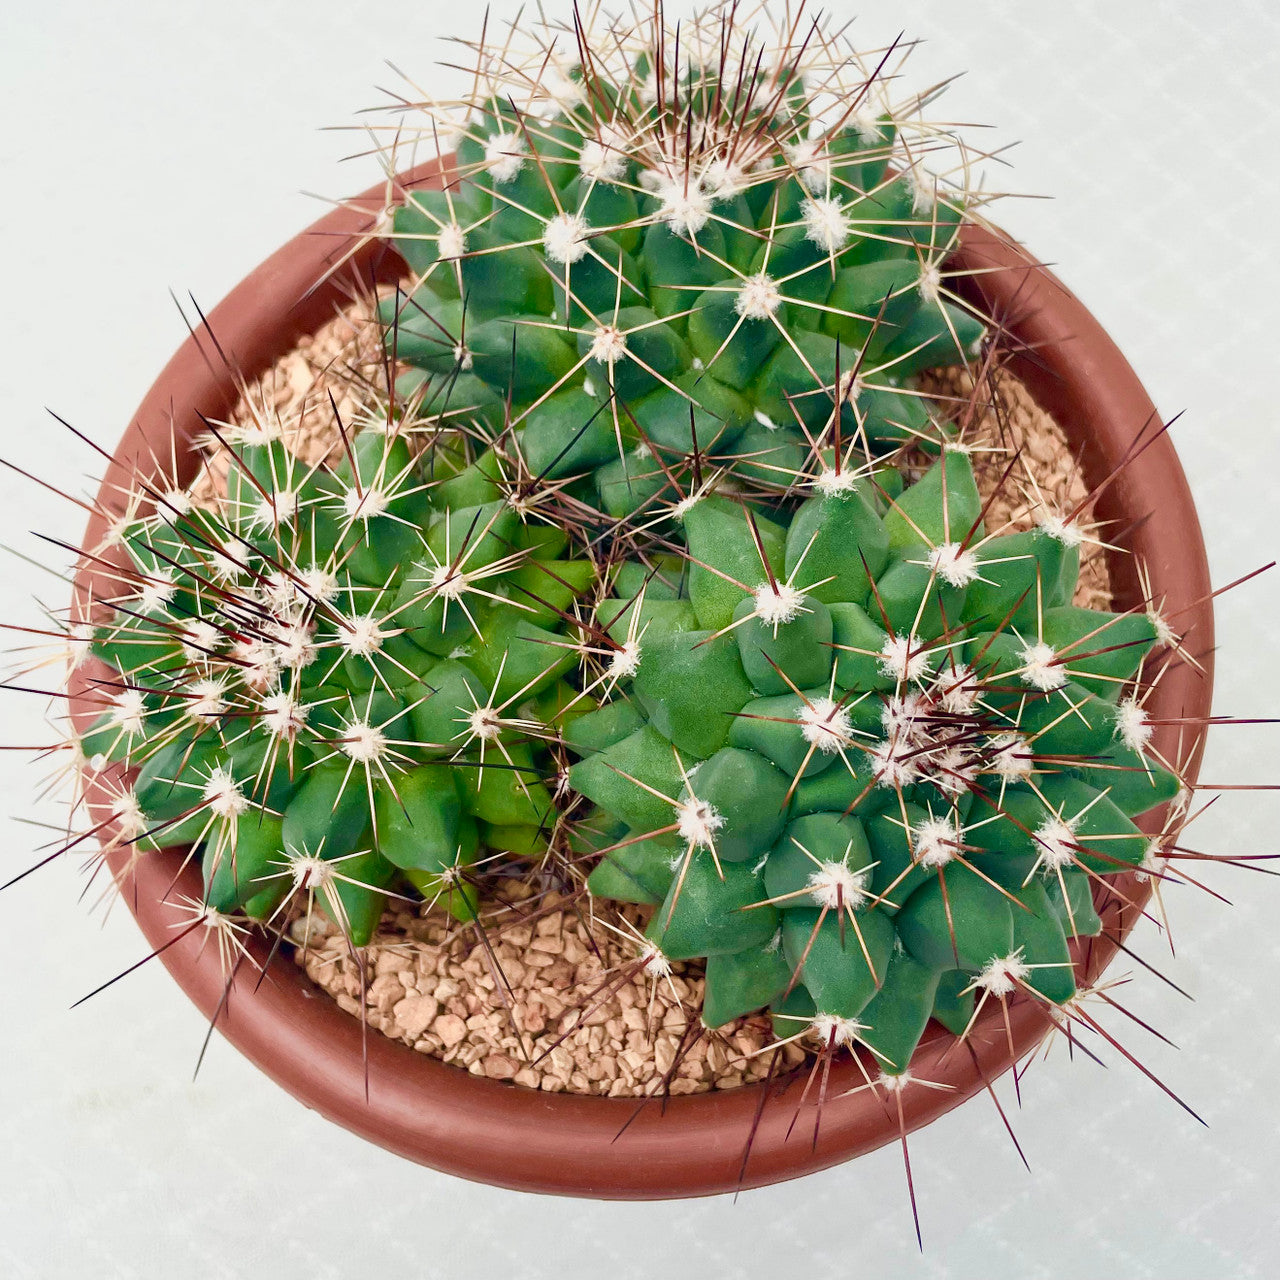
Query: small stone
{"x": 386, "y": 992}
{"x": 497, "y": 1066}
{"x": 415, "y": 1014}
{"x": 664, "y": 1052}
{"x": 450, "y": 1028}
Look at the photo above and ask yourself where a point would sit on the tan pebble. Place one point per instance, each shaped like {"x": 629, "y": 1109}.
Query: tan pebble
{"x": 457, "y": 1005}
{"x": 615, "y": 1029}
{"x": 497, "y": 1066}
{"x": 445, "y": 988}
{"x": 664, "y": 1052}
{"x": 549, "y": 925}
{"x": 539, "y": 959}
{"x": 532, "y": 1020}
{"x": 386, "y": 993}
{"x": 552, "y": 944}
{"x": 634, "y": 1018}
{"x": 676, "y": 1018}
{"x": 475, "y": 1068}
{"x": 415, "y": 1014}
{"x": 519, "y": 937}
{"x": 626, "y": 997}
{"x": 578, "y": 1081}
{"x": 551, "y": 1084}
{"x": 687, "y": 1086}
{"x": 393, "y": 962}
{"x": 730, "y": 1081}
{"x": 620, "y": 1088}
{"x": 717, "y": 1057}
{"x": 554, "y": 1006}
{"x": 512, "y": 969}
{"x": 349, "y": 1003}
{"x": 574, "y": 951}
{"x": 528, "y": 1077}
{"x": 450, "y": 1028}
{"x": 477, "y": 1021}
{"x": 608, "y": 1066}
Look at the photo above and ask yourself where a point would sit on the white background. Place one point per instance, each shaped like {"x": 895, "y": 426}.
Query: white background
{"x": 150, "y": 145}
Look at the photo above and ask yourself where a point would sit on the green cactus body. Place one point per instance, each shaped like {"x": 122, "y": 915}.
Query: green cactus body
{"x": 879, "y": 809}
{"x": 335, "y": 681}
{"x": 624, "y": 300}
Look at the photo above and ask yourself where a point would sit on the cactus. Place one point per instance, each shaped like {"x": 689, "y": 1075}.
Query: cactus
{"x": 872, "y": 749}
{"x": 721, "y": 250}
{"x": 335, "y": 680}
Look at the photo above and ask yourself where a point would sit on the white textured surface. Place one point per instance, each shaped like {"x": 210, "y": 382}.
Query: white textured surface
{"x": 151, "y": 145}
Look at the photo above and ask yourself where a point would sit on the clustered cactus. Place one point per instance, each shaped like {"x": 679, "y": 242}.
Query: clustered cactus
{"x": 655, "y": 567}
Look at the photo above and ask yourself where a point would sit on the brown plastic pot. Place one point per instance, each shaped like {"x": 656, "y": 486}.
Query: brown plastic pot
{"x": 444, "y": 1117}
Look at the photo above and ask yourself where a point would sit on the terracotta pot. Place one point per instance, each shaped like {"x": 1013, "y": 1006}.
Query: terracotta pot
{"x": 444, "y": 1117}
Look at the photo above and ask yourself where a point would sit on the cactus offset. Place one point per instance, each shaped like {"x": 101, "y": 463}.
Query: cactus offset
{"x": 870, "y": 744}
{"x": 337, "y": 679}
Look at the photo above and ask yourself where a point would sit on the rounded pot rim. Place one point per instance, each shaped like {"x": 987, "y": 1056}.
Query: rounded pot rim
{"x": 616, "y": 1148}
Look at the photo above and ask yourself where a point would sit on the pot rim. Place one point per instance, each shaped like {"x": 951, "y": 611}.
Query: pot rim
{"x": 570, "y": 1144}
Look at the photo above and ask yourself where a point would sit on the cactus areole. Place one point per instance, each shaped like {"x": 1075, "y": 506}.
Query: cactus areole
{"x": 857, "y": 751}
